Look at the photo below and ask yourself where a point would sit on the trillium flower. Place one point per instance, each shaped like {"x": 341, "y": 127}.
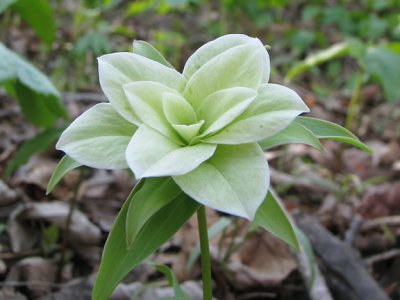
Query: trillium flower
{"x": 201, "y": 126}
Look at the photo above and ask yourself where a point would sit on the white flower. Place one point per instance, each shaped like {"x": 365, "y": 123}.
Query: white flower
{"x": 201, "y": 127}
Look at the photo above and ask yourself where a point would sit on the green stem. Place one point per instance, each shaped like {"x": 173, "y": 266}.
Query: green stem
{"x": 205, "y": 253}
{"x": 354, "y": 102}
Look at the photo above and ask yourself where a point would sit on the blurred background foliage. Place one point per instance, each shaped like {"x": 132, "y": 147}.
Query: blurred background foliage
{"x": 323, "y": 46}
{"x": 74, "y": 33}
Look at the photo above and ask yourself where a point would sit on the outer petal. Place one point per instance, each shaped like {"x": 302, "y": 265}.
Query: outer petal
{"x": 150, "y": 154}
{"x": 208, "y": 51}
{"x": 235, "y": 180}
{"x": 241, "y": 66}
{"x": 274, "y": 109}
{"x": 222, "y": 107}
{"x": 98, "y": 138}
{"x": 118, "y": 69}
{"x": 143, "y": 48}
{"x": 146, "y": 99}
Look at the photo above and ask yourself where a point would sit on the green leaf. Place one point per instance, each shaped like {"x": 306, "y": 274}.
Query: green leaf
{"x": 37, "y": 144}
{"x": 306, "y": 246}
{"x": 145, "y": 49}
{"x": 118, "y": 69}
{"x": 41, "y": 110}
{"x": 179, "y": 293}
{"x": 154, "y": 195}
{"x": 98, "y": 138}
{"x": 272, "y": 217}
{"x": 150, "y": 154}
{"x": 118, "y": 260}
{"x": 41, "y": 20}
{"x": 215, "y": 228}
{"x": 293, "y": 134}
{"x": 315, "y": 59}
{"x": 4, "y": 4}
{"x": 326, "y": 130}
{"x": 95, "y": 42}
{"x": 243, "y": 66}
{"x": 384, "y": 64}
{"x": 274, "y": 108}
{"x": 17, "y": 68}
{"x": 234, "y": 180}
{"x": 38, "y": 97}
{"x": 65, "y": 165}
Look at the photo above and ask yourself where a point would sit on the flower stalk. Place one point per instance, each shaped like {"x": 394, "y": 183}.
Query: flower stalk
{"x": 205, "y": 253}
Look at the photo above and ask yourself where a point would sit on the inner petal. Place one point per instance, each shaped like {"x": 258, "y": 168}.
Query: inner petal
{"x": 188, "y": 132}
{"x": 177, "y": 110}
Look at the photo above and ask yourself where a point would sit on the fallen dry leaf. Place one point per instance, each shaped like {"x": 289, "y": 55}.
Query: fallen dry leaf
{"x": 263, "y": 260}
{"x": 38, "y": 274}
{"x": 82, "y": 232}
{"x": 382, "y": 200}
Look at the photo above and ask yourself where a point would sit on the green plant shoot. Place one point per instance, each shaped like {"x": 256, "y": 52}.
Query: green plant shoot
{"x": 194, "y": 139}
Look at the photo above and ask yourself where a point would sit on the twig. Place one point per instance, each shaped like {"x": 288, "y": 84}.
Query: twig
{"x": 382, "y": 256}
{"x": 310, "y": 181}
{"x": 30, "y": 283}
{"x": 353, "y": 229}
{"x": 68, "y": 224}
{"x": 88, "y": 97}
{"x": 258, "y": 295}
{"x": 318, "y": 288}
{"x": 344, "y": 270}
{"x": 378, "y": 222}
{"x": 13, "y": 255}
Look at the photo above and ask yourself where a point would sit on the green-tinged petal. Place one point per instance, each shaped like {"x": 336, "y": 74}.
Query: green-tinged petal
{"x": 274, "y": 109}
{"x": 118, "y": 69}
{"x": 177, "y": 110}
{"x": 146, "y": 99}
{"x": 188, "y": 132}
{"x": 145, "y": 49}
{"x": 150, "y": 154}
{"x": 98, "y": 138}
{"x": 241, "y": 66}
{"x": 222, "y": 107}
{"x": 211, "y": 49}
{"x": 234, "y": 180}
{"x": 293, "y": 134}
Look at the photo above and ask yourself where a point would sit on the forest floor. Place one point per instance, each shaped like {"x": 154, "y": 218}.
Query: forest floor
{"x": 347, "y": 202}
